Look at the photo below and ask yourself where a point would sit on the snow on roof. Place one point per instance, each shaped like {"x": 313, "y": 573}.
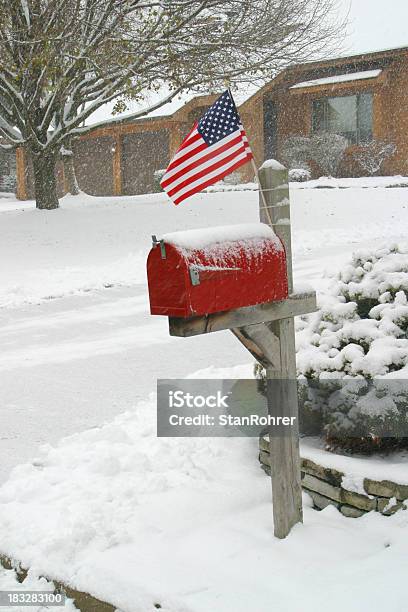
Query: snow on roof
{"x": 103, "y": 115}
{"x": 339, "y": 78}
{"x": 372, "y": 50}
{"x": 202, "y": 238}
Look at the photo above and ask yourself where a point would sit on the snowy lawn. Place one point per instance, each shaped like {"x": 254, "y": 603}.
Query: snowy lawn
{"x": 93, "y": 243}
{"x": 364, "y": 182}
{"x": 9, "y": 581}
{"x": 139, "y": 520}
{"x": 187, "y": 524}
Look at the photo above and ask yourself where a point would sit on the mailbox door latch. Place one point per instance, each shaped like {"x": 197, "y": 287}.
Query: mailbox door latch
{"x": 194, "y": 275}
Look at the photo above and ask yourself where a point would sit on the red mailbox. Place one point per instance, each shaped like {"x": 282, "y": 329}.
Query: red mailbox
{"x": 197, "y": 272}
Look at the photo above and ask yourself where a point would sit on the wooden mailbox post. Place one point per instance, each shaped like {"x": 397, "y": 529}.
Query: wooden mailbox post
{"x": 268, "y": 332}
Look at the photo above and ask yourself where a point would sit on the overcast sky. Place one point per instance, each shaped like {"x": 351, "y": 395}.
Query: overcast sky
{"x": 373, "y": 25}
{"x": 377, "y": 24}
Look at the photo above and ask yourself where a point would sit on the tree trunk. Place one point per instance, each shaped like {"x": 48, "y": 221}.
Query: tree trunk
{"x": 69, "y": 170}
{"x": 44, "y": 181}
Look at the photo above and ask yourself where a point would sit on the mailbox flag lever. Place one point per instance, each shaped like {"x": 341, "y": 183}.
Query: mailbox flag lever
{"x": 160, "y": 243}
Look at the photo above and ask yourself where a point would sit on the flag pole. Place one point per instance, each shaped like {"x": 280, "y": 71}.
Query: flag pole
{"x": 265, "y": 206}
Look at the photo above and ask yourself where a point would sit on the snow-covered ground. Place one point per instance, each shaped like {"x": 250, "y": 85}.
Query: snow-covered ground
{"x": 187, "y": 524}
{"x": 72, "y": 362}
{"x": 9, "y": 582}
{"x": 93, "y": 243}
{"x": 364, "y": 182}
{"x": 133, "y": 518}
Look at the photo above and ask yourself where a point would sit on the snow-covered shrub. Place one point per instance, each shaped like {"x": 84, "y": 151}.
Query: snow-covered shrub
{"x": 296, "y": 152}
{"x": 157, "y": 177}
{"x": 299, "y": 175}
{"x": 8, "y": 183}
{"x": 371, "y": 155}
{"x": 235, "y": 178}
{"x": 353, "y": 353}
{"x": 327, "y": 151}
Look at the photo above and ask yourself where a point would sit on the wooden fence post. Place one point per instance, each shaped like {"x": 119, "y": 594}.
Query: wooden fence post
{"x": 267, "y": 331}
{"x": 284, "y": 449}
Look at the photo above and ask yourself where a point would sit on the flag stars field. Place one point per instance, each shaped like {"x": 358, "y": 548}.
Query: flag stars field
{"x": 216, "y": 146}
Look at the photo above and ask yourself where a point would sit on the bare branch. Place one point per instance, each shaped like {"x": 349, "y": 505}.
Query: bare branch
{"x": 61, "y": 60}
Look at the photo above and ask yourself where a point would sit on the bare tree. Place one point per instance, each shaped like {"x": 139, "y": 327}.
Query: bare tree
{"x": 371, "y": 155}
{"x": 61, "y": 60}
{"x": 327, "y": 151}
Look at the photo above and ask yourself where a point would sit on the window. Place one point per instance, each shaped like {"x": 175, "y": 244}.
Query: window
{"x": 350, "y": 116}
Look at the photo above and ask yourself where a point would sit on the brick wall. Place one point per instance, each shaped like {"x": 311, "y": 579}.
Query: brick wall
{"x": 94, "y": 165}
{"x": 142, "y": 154}
{"x": 294, "y": 107}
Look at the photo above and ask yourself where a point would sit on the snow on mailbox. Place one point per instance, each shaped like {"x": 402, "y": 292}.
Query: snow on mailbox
{"x": 198, "y": 272}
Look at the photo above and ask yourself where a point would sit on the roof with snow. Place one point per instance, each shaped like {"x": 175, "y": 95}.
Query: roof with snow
{"x": 339, "y": 78}
{"x": 347, "y": 65}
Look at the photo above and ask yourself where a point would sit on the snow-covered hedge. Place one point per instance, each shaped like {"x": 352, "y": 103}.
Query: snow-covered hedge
{"x": 353, "y": 353}
{"x": 299, "y": 175}
{"x": 157, "y": 177}
{"x": 8, "y": 183}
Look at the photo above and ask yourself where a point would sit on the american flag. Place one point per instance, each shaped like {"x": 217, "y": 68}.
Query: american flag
{"x": 216, "y": 146}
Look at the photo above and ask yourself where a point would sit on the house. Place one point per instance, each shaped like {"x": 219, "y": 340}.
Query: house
{"x": 361, "y": 96}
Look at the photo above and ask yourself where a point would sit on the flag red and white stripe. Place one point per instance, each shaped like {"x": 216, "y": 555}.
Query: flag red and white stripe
{"x": 214, "y": 148}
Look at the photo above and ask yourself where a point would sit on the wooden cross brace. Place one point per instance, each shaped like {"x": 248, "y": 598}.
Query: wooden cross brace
{"x": 296, "y": 304}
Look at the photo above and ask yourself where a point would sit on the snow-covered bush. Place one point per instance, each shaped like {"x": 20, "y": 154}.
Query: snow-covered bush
{"x": 235, "y": 178}
{"x": 8, "y": 183}
{"x": 371, "y": 155}
{"x": 327, "y": 151}
{"x": 353, "y": 354}
{"x": 299, "y": 175}
{"x": 157, "y": 177}
{"x": 296, "y": 152}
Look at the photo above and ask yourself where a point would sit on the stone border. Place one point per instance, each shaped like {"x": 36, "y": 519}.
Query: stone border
{"x": 325, "y": 487}
{"x": 82, "y": 601}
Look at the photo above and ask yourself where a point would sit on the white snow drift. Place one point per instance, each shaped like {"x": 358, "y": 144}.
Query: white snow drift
{"x": 187, "y": 524}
